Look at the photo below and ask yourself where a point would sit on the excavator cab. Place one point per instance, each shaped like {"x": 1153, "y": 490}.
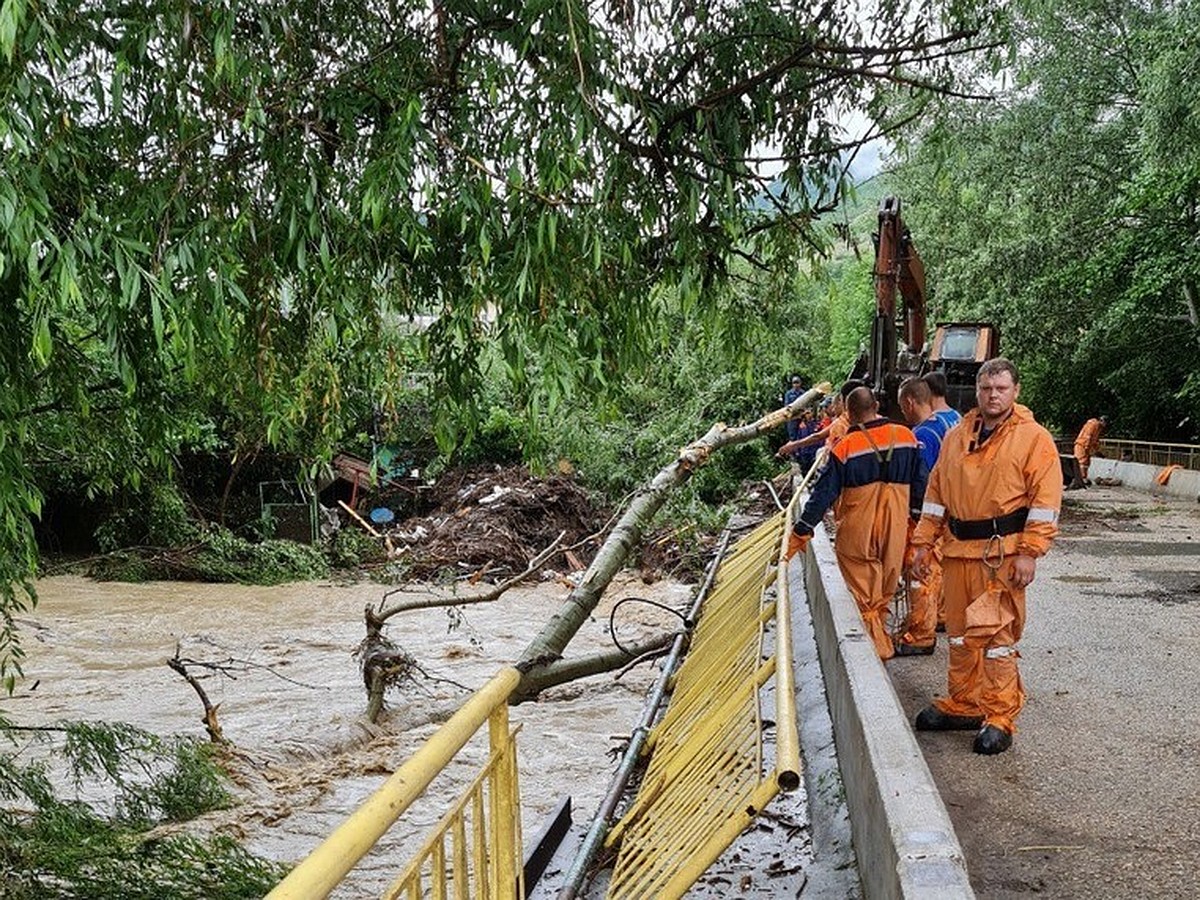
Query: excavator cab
{"x": 958, "y": 350}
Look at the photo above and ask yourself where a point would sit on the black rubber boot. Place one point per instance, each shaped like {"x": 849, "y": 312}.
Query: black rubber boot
{"x": 903, "y": 649}
{"x": 933, "y": 719}
{"x": 991, "y": 740}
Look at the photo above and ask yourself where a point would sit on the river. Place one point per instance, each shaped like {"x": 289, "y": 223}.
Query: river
{"x": 304, "y": 756}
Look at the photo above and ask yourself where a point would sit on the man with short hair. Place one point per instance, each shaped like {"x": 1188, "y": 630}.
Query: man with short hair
{"x": 791, "y": 395}
{"x": 994, "y": 497}
{"x": 919, "y": 638}
{"x": 947, "y": 415}
{"x": 874, "y": 481}
{"x": 1087, "y": 443}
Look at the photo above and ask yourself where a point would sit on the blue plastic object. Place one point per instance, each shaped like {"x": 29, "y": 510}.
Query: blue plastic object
{"x": 381, "y": 515}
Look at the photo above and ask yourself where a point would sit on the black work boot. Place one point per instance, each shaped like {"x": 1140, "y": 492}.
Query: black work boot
{"x": 933, "y": 719}
{"x": 991, "y": 740}
{"x": 903, "y": 649}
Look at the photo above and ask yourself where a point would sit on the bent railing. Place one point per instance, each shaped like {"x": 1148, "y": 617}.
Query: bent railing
{"x": 704, "y": 783}
{"x": 705, "y": 780}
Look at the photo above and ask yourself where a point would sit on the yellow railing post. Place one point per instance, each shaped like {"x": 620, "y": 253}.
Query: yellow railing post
{"x": 787, "y": 735}
{"x": 502, "y": 811}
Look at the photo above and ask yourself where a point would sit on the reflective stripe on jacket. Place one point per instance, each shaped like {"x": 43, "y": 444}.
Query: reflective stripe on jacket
{"x": 875, "y": 464}
{"x": 1017, "y": 467}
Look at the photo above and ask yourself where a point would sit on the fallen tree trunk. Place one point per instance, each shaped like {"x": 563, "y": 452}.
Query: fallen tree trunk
{"x": 547, "y": 648}
{"x": 564, "y": 670}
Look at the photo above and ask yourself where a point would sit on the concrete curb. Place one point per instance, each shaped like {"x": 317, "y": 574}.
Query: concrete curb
{"x": 1182, "y": 483}
{"x": 903, "y": 837}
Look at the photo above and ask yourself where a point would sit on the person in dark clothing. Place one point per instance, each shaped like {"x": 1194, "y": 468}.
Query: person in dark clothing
{"x": 790, "y": 396}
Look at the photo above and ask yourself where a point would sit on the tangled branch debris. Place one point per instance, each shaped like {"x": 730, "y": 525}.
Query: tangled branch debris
{"x": 490, "y": 522}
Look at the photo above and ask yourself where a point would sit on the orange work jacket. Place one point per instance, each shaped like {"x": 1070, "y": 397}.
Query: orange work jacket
{"x": 1088, "y": 441}
{"x": 838, "y": 429}
{"x": 1016, "y": 467}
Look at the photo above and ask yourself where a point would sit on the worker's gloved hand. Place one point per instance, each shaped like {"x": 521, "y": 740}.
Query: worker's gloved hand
{"x": 797, "y": 543}
{"x": 922, "y": 562}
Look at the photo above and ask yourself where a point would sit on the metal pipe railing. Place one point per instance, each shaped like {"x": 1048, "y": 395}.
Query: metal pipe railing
{"x": 1155, "y": 453}
{"x": 787, "y": 731}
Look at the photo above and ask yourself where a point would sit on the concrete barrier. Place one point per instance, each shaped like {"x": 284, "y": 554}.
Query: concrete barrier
{"x": 903, "y": 837}
{"x": 1182, "y": 483}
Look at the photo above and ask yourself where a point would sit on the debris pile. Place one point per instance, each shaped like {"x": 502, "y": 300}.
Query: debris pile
{"x": 489, "y": 521}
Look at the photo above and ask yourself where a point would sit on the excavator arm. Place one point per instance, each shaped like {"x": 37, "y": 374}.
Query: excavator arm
{"x": 897, "y": 349}
{"x": 897, "y": 340}
{"x": 899, "y": 270}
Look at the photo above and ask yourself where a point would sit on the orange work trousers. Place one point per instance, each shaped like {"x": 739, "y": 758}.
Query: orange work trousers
{"x": 983, "y": 677}
{"x": 873, "y": 584}
{"x": 1084, "y": 459}
{"x": 924, "y": 605}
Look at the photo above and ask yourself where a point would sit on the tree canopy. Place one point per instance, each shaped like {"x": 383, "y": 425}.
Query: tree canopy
{"x": 226, "y": 217}
{"x": 1066, "y": 210}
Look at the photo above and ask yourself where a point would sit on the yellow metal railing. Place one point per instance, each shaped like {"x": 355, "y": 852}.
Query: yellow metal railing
{"x": 705, "y": 782}
{"x": 1154, "y": 453}
{"x": 484, "y": 828}
{"x": 482, "y": 861}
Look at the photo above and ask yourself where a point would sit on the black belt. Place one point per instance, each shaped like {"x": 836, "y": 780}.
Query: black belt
{"x": 981, "y": 529}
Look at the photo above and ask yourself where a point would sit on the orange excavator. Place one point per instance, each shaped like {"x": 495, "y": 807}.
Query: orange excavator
{"x": 898, "y": 348}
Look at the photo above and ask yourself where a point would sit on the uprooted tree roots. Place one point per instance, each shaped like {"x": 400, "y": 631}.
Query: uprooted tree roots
{"x": 384, "y": 665}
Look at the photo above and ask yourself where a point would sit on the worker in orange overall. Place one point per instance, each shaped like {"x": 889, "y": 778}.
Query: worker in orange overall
{"x": 874, "y": 481}
{"x": 994, "y": 497}
{"x": 925, "y": 594}
{"x": 1087, "y": 443}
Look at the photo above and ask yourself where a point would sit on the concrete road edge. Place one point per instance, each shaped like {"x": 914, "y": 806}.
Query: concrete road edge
{"x": 904, "y": 840}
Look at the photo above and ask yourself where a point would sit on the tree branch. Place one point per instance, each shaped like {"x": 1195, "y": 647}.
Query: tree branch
{"x": 382, "y": 615}
{"x": 562, "y": 671}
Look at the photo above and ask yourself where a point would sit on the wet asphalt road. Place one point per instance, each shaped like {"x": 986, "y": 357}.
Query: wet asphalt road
{"x": 1100, "y": 794}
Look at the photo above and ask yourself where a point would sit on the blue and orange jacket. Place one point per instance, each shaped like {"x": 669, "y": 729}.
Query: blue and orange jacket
{"x": 877, "y": 462}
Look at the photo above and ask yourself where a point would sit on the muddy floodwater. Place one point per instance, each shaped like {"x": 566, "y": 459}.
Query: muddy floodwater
{"x": 304, "y": 755}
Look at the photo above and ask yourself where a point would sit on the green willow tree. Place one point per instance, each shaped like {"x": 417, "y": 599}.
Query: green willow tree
{"x": 228, "y": 211}
{"x": 1066, "y": 210}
